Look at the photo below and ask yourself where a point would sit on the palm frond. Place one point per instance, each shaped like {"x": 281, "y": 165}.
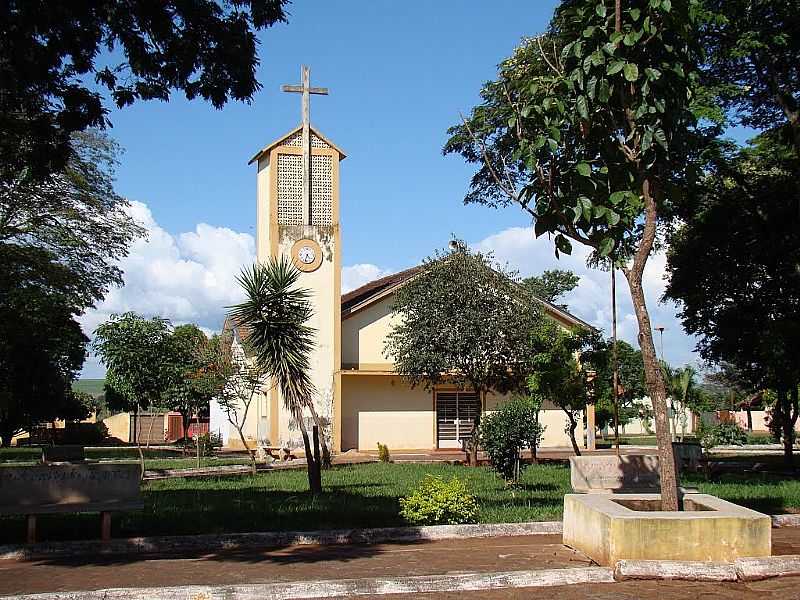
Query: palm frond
{"x": 275, "y": 313}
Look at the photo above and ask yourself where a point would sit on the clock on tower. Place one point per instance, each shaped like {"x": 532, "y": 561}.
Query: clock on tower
{"x": 298, "y": 216}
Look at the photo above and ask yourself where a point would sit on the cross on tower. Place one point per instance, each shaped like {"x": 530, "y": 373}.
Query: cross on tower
{"x": 306, "y": 90}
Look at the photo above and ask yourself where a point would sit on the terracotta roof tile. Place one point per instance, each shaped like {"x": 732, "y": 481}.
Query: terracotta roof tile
{"x": 373, "y": 288}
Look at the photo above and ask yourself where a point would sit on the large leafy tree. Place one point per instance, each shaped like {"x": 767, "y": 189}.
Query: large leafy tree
{"x": 552, "y": 285}
{"x": 194, "y": 376}
{"x": 556, "y": 373}
{"x": 753, "y": 62}
{"x": 588, "y": 130}
{"x": 463, "y": 320}
{"x": 276, "y": 313}
{"x": 60, "y": 60}
{"x": 42, "y": 347}
{"x": 72, "y": 218}
{"x": 631, "y": 386}
{"x": 733, "y": 270}
{"x": 140, "y": 360}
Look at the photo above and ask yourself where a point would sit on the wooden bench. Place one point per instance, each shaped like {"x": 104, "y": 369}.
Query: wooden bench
{"x": 70, "y": 488}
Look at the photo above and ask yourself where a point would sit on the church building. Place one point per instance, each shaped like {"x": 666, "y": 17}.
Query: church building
{"x": 359, "y": 394}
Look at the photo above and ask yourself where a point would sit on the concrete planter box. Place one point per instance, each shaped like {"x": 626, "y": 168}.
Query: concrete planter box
{"x": 608, "y": 528}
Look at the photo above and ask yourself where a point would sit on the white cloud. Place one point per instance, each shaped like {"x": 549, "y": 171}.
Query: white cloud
{"x": 190, "y": 277}
{"x": 357, "y": 275}
{"x": 591, "y": 300}
{"x": 187, "y": 278}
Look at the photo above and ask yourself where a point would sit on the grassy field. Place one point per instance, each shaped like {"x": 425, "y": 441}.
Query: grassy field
{"x": 357, "y": 496}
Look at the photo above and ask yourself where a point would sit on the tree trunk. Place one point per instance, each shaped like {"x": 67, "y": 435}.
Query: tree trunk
{"x": 317, "y": 461}
{"x": 138, "y": 441}
{"x": 573, "y": 425}
{"x": 749, "y": 420}
{"x": 185, "y": 419}
{"x": 789, "y": 420}
{"x": 652, "y": 369}
{"x": 197, "y": 433}
{"x": 312, "y": 469}
{"x": 250, "y": 453}
{"x": 326, "y": 453}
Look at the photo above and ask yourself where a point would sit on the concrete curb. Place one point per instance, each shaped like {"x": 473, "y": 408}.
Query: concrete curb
{"x": 348, "y": 587}
{"x": 242, "y": 541}
{"x": 674, "y": 570}
{"x": 785, "y": 520}
{"x": 742, "y": 569}
{"x": 753, "y": 569}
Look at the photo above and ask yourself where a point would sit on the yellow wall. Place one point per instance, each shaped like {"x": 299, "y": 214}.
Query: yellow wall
{"x": 551, "y": 417}
{"x": 364, "y": 335}
{"x": 119, "y": 426}
{"x": 385, "y": 409}
{"x": 380, "y": 408}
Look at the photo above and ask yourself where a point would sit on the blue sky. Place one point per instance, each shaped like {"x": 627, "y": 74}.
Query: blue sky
{"x": 399, "y": 74}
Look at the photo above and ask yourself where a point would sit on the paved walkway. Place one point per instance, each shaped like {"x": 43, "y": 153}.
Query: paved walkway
{"x": 292, "y": 563}
{"x": 305, "y": 563}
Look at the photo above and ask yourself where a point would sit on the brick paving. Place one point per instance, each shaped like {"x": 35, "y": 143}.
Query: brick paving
{"x": 292, "y": 563}
{"x": 303, "y": 563}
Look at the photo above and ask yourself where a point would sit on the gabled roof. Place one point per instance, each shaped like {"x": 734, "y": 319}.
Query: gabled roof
{"x": 283, "y": 138}
{"x": 374, "y": 291}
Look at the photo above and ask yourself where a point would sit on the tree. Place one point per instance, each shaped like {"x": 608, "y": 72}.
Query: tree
{"x": 589, "y": 130}
{"x": 733, "y": 271}
{"x": 276, "y": 313}
{"x": 552, "y": 285}
{"x": 509, "y": 430}
{"x": 42, "y": 347}
{"x": 733, "y": 390}
{"x": 73, "y": 218}
{"x": 191, "y": 392}
{"x": 194, "y": 377}
{"x": 631, "y": 387}
{"x": 556, "y": 373}
{"x": 682, "y": 387}
{"x": 239, "y": 381}
{"x": 463, "y": 320}
{"x": 139, "y": 358}
{"x": 753, "y": 62}
{"x": 137, "y": 50}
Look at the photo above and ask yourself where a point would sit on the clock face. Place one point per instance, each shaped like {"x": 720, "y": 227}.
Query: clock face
{"x": 306, "y": 255}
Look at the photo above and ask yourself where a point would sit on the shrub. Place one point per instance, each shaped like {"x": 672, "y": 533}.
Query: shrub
{"x": 721, "y": 434}
{"x": 439, "y": 502}
{"x": 383, "y": 453}
{"x": 730, "y": 434}
{"x": 759, "y": 438}
{"x": 506, "y": 432}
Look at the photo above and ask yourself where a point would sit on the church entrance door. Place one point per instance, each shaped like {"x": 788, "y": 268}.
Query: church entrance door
{"x": 456, "y": 413}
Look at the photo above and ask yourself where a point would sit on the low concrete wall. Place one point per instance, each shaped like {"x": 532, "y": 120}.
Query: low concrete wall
{"x": 608, "y": 532}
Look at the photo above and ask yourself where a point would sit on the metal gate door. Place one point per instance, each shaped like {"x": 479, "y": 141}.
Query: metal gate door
{"x": 455, "y": 417}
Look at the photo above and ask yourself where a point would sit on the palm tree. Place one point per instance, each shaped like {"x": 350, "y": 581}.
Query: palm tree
{"x": 276, "y": 313}
{"x": 680, "y": 386}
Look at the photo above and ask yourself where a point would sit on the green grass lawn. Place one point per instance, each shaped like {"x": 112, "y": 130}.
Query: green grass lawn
{"x": 357, "y": 496}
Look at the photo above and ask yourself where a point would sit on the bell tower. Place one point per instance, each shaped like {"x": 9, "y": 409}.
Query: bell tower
{"x": 298, "y": 217}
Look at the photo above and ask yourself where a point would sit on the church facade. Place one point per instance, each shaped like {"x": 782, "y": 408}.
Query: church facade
{"x": 359, "y": 395}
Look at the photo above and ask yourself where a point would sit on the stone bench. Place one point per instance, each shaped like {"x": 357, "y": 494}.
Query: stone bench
{"x": 70, "y": 488}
